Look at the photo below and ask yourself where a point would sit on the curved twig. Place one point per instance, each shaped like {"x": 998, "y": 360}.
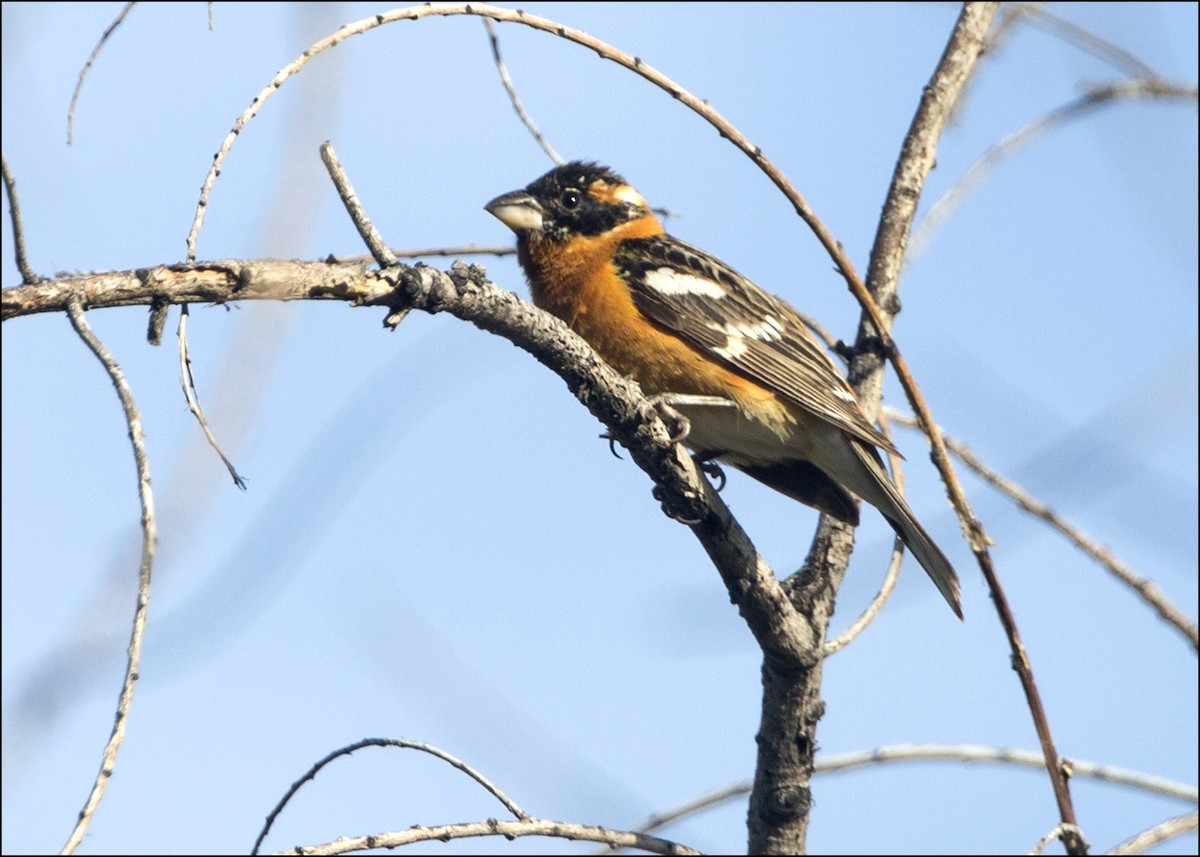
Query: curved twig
{"x": 1060, "y": 830}
{"x": 87, "y": 66}
{"x": 192, "y": 396}
{"x": 967, "y": 753}
{"x": 1157, "y": 834}
{"x": 1039, "y": 16}
{"x": 1078, "y": 108}
{"x": 1146, "y": 588}
{"x": 490, "y": 787}
{"x": 149, "y": 539}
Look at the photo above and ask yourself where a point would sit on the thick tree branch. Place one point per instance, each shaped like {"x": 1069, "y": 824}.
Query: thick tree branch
{"x": 782, "y": 631}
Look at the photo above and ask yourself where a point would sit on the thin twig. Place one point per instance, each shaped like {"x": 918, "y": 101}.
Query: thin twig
{"x": 1078, "y": 108}
{"x": 604, "y": 50}
{"x": 508, "y": 829}
{"x": 1157, "y": 834}
{"x": 423, "y": 252}
{"x": 1060, "y": 830}
{"x": 311, "y": 773}
{"x": 28, "y": 275}
{"x": 133, "y": 419}
{"x": 978, "y": 753}
{"x": 87, "y": 66}
{"x": 966, "y": 753}
{"x": 872, "y": 610}
{"x": 514, "y": 98}
{"x": 1144, "y": 587}
{"x": 366, "y": 229}
{"x": 188, "y": 381}
{"x": 1084, "y": 39}
{"x": 887, "y": 257}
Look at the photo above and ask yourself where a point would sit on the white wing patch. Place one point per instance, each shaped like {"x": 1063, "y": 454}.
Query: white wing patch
{"x": 672, "y": 282}
{"x": 767, "y": 329}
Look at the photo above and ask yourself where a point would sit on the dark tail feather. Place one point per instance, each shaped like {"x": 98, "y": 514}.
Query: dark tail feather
{"x": 897, "y": 513}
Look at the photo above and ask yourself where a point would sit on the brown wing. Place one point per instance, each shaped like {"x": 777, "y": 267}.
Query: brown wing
{"x": 714, "y": 308}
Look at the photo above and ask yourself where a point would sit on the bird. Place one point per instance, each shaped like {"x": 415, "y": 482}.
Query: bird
{"x": 756, "y": 390}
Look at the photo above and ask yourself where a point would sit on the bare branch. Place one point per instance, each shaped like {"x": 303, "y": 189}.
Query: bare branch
{"x": 978, "y": 753}
{"x": 133, "y": 419}
{"x": 781, "y": 630}
{"x": 1143, "y": 586}
{"x": 87, "y": 66}
{"x": 1060, "y": 831}
{"x": 425, "y": 252}
{"x": 887, "y": 257}
{"x": 188, "y": 381}
{"x": 402, "y": 744}
{"x": 1084, "y": 39}
{"x": 508, "y": 829}
{"x": 1157, "y": 834}
{"x": 28, "y": 275}
{"x": 967, "y": 753}
{"x": 204, "y": 282}
{"x": 871, "y": 611}
{"x": 366, "y": 229}
{"x": 514, "y": 98}
{"x": 953, "y": 197}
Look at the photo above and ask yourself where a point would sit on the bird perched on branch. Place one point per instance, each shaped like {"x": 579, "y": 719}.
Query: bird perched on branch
{"x": 757, "y": 390}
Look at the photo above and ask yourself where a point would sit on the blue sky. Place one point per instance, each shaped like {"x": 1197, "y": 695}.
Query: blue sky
{"x": 437, "y": 546}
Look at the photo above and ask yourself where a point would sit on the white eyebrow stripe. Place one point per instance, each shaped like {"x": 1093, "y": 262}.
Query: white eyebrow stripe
{"x": 672, "y": 282}
{"x": 627, "y": 194}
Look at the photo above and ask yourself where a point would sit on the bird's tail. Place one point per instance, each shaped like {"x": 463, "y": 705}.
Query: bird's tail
{"x": 882, "y": 493}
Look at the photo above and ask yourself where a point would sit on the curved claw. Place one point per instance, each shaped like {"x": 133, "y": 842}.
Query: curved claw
{"x": 612, "y": 445}
{"x": 678, "y": 426}
{"x": 712, "y": 470}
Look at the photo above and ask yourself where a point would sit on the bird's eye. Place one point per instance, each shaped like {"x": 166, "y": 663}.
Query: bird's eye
{"x": 571, "y": 198}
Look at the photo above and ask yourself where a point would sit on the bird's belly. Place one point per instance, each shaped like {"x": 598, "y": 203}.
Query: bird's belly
{"x": 737, "y": 438}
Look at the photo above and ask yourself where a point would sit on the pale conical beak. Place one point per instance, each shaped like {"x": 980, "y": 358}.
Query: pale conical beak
{"x": 517, "y": 210}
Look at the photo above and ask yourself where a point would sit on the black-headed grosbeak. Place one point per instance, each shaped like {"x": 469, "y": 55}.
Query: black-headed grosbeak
{"x": 757, "y": 390}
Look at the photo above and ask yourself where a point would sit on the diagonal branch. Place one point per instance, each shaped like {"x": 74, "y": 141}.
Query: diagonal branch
{"x": 465, "y": 292}
{"x": 887, "y": 258}
{"x": 1143, "y": 586}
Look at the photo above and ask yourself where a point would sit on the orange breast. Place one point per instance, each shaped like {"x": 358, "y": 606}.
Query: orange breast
{"x": 577, "y": 283}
